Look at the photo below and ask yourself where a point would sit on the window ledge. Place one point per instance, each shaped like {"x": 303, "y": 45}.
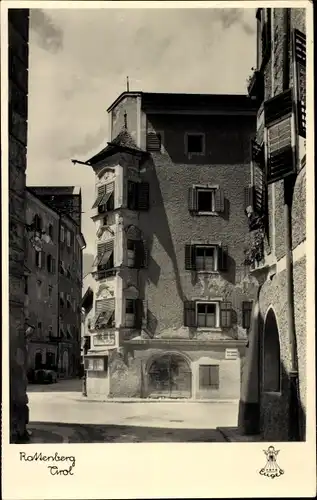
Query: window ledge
{"x": 204, "y": 271}
{"x": 273, "y": 393}
{"x": 208, "y": 213}
{"x": 209, "y": 330}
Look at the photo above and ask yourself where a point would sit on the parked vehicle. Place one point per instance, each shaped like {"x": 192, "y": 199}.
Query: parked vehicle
{"x": 45, "y": 376}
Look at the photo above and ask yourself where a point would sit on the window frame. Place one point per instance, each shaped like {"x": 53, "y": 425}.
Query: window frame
{"x": 217, "y": 314}
{"x": 212, "y": 192}
{"x": 195, "y": 153}
{"x": 216, "y": 258}
{"x": 210, "y": 387}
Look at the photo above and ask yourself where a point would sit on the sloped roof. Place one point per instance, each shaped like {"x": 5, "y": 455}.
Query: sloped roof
{"x": 123, "y": 141}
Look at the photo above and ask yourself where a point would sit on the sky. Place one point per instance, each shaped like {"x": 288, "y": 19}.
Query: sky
{"x": 79, "y": 60}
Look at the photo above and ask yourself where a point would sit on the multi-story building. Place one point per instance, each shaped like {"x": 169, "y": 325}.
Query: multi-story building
{"x": 171, "y": 298}
{"x": 18, "y": 29}
{"x": 273, "y": 399}
{"x": 65, "y": 202}
{"x": 41, "y": 285}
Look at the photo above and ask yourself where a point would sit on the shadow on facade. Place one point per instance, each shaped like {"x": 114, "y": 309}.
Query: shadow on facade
{"x": 270, "y": 405}
{"x": 51, "y": 432}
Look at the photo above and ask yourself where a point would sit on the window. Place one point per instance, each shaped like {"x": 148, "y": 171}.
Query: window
{"x": 74, "y": 305}
{"x": 195, "y": 143}
{"x": 105, "y": 198}
{"x": 138, "y": 195}
{"x": 153, "y": 141}
{"x": 96, "y": 364}
{"x": 62, "y": 269}
{"x": 104, "y": 260}
{"x": 210, "y": 258}
{"x": 50, "y": 331}
{"x": 246, "y": 314}
{"x": 50, "y": 360}
{"x": 130, "y": 310}
{"x": 204, "y": 200}
{"x": 131, "y": 252}
{"x": 50, "y": 231}
{"x": 61, "y": 299}
{"x": 68, "y": 332}
{"x": 207, "y": 315}
{"x": 26, "y": 283}
{"x": 62, "y": 234}
{"x": 105, "y": 313}
{"x": 50, "y": 290}
{"x": 68, "y": 238}
{"x": 37, "y": 222}
{"x": 68, "y": 301}
{"x": 38, "y": 258}
{"x": 206, "y": 258}
{"x": 39, "y": 326}
{"x": 50, "y": 264}
{"x": 211, "y": 314}
{"x": 39, "y": 289}
{"x": 209, "y": 376}
{"x": 68, "y": 273}
{"x": 264, "y": 36}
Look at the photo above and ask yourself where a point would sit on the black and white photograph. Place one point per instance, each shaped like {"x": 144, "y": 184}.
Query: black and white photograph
{"x": 159, "y": 179}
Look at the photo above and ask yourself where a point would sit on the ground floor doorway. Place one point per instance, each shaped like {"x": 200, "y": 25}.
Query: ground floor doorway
{"x": 169, "y": 376}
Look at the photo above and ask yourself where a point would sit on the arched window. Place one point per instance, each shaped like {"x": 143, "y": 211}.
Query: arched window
{"x": 271, "y": 355}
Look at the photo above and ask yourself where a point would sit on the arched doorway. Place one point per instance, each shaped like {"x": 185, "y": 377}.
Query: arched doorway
{"x": 271, "y": 369}
{"x": 38, "y": 360}
{"x": 170, "y": 376}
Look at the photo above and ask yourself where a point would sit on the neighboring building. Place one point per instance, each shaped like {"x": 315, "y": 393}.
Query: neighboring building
{"x": 273, "y": 399}
{"x": 41, "y": 285}
{"x": 87, "y": 314}
{"x": 18, "y": 29}
{"x": 65, "y": 202}
{"x": 171, "y": 297}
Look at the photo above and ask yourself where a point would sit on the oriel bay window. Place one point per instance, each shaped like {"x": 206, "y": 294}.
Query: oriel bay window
{"x": 105, "y": 198}
{"x": 205, "y": 200}
{"x": 207, "y": 314}
{"x": 210, "y": 258}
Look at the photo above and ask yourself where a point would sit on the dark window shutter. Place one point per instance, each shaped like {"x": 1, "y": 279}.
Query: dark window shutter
{"x": 257, "y": 175}
{"x": 53, "y": 261}
{"x": 280, "y": 156}
{"x": 153, "y": 141}
{"x": 246, "y": 314}
{"x": 223, "y": 258}
{"x": 219, "y": 200}
{"x": 103, "y": 305}
{"x": 225, "y": 314}
{"x": 143, "y": 195}
{"x": 140, "y": 254}
{"x": 249, "y": 197}
{"x": 189, "y": 313}
{"x": 190, "y": 261}
{"x": 138, "y": 313}
{"x": 299, "y": 54}
{"x": 192, "y": 200}
{"x": 277, "y": 107}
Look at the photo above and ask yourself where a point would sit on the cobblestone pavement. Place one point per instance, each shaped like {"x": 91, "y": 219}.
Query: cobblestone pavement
{"x": 76, "y": 433}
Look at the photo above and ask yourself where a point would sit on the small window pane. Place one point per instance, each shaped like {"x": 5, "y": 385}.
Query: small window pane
{"x": 129, "y": 306}
{"x": 201, "y": 308}
{"x": 211, "y": 308}
{"x": 205, "y": 201}
{"x": 201, "y": 320}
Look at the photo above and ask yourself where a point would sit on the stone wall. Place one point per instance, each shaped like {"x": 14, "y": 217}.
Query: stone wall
{"x": 18, "y": 88}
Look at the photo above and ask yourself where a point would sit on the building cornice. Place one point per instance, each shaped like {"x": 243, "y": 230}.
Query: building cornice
{"x": 189, "y": 342}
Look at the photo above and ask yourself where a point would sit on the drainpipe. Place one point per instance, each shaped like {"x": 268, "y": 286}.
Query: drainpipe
{"x": 289, "y": 182}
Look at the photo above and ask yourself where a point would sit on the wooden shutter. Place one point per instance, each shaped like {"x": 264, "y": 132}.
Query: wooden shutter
{"x": 190, "y": 257}
{"x": 189, "y": 313}
{"x": 278, "y": 115}
{"x": 144, "y": 314}
{"x": 102, "y": 305}
{"x": 299, "y": 59}
{"x": 257, "y": 177}
{"x": 138, "y": 313}
{"x": 225, "y": 314}
{"x": 246, "y": 313}
{"x": 100, "y": 193}
{"x": 249, "y": 197}
{"x": 53, "y": 263}
{"x": 153, "y": 141}
{"x": 223, "y": 258}
{"x": 192, "y": 200}
{"x": 219, "y": 200}
{"x": 143, "y": 191}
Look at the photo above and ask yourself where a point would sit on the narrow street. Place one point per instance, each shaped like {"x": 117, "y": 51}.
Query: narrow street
{"x": 59, "y": 413}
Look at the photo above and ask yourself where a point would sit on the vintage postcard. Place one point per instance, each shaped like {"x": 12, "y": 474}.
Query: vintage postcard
{"x": 158, "y": 249}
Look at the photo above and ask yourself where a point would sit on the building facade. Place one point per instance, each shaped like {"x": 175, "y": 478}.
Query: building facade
{"x": 65, "y": 203}
{"x": 273, "y": 399}
{"x": 41, "y": 285}
{"x": 18, "y": 29}
{"x": 171, "y": 299}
